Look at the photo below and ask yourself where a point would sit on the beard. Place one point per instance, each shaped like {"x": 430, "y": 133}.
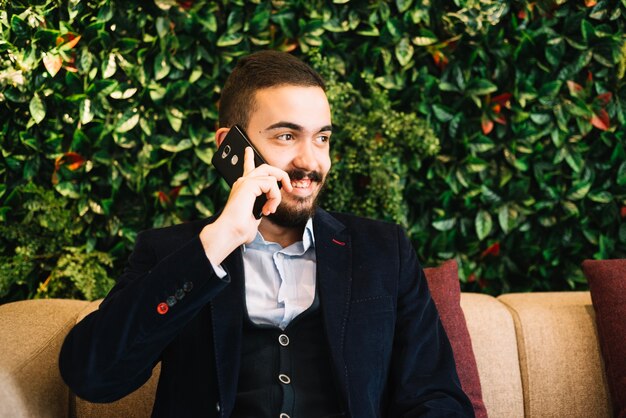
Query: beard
{"x": 296, "y": 215}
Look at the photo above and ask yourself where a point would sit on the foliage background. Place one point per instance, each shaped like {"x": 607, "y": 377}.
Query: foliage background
{"x": 492, "y": 130}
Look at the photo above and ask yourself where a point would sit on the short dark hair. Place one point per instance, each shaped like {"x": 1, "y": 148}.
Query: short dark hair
{"x": 258, "y": 71}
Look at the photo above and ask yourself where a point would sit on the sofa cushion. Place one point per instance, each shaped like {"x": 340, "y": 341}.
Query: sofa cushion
{"x": 559, "y": 354}
{"x": 607, "y": 283}
{"x": 443, "y": 282}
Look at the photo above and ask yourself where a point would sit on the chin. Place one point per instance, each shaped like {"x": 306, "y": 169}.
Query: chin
{"x": 294, "y": 215}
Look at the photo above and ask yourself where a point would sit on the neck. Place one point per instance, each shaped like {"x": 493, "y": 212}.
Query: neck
{"x": 283, "y": 236}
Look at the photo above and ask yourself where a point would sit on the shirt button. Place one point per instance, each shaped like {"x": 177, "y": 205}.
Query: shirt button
{"x": 284, "y": 379}
{"x": 283, "y": 340}
{"x": 180, "y": 293}
{"x": 171, "y": 301}
{"x": 188, "y": 286}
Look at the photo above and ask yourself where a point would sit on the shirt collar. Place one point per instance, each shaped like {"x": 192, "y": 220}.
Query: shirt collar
{"x": 308, "y": 241}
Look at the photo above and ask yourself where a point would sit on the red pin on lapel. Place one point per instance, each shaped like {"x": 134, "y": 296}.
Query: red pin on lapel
{"x": 339, "y": 242}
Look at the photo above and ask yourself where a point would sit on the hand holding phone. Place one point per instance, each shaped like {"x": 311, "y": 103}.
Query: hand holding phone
{"x": 229, "y": 160}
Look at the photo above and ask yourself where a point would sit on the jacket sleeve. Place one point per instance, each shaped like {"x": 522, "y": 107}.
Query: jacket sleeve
{"x": 112, "y": 351}
{"x": 424, "y": 380}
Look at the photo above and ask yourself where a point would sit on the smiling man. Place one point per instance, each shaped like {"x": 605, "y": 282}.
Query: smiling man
{"x": 302, "y": 313}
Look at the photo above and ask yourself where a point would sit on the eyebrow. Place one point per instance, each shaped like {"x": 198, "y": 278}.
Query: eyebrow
{"x": 295, "y": 127}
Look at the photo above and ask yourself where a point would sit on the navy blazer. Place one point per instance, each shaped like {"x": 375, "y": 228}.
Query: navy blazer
{"x": 389, "y": 352}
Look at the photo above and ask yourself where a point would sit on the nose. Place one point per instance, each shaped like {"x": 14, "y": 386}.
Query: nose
{"x": 305, "y": 158}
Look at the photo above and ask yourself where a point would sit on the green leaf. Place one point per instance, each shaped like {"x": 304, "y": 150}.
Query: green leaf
{"x": 404, "y": 52}
{"x": 442, "y": 113}
{"x": 622, "y": 233}
{"x": 178, "y": 147}
{"x": 601, "y": 197}
{"x": 507, "y": 218}
{"x": 19, "y": 27}
{"x": 579, "y": 190}
{"x": 205, "y": 155}
{"x": 161, "y": 67}
{"x": 37, "y": 109}
{"x": 86, "y": 115}
{"x": 67, "y": 189}
{"x": 229, "y": 39}
{"x": 483, "y": 224}
{"x": 403, "y": 5}
{"x": 175, "y": 118}
{"x": 127, "y": 122}
{"x": 586, "y": 29}
{"x": 444, "y": 224}
{"x": 110, "y": 67}
{"x": 480, "y": 87}
{"x": 425, "y": 38}
{"x": 621, "y": 174}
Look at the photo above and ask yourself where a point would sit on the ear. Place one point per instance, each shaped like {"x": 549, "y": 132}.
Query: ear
{"x": 220, "y": 134}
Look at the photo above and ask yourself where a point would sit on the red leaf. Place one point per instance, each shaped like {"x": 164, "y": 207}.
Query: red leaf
{"x": 604, "y": 98}
{"x": 622, "y": 211}
{"x": 503, "y": 99}
{"x": 73, "y": 161}
{"x": 174, "y": 192}
{"x": 471, "y": 278}
{"x": 441, "y": 61}
{"x": 163, "y": 198}
{"x": 493, "y": 249}
{"x": 600, "y": 120}
{"x": 500, "y": 119}
{"x": 487, "y": 125}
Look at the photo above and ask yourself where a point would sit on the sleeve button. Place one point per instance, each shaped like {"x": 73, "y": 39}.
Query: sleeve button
{"x": 188, "y": 286}
{"x": 162, "y": 308}
{"x": 180, "y": 293}
{"x": 171, "y": 301}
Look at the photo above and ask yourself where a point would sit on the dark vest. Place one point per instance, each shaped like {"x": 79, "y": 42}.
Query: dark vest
{"x": 286, "y": 372}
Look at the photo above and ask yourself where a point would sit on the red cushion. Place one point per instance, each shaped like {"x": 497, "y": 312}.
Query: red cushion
{"x": 443, "y": 282}
{"x": 607, "y": 283}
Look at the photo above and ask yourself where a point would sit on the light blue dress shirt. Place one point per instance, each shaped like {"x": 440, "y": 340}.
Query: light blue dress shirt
{"x": 280, "y": 282}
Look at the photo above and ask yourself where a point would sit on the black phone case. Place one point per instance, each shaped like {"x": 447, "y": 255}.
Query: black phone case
{"x": 228, "y": 160}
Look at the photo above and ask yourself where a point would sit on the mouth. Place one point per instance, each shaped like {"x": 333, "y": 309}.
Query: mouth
{"x": 301, "y": 184}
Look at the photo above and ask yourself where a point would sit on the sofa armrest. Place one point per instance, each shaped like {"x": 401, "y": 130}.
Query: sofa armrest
{"x": 32, "y": 332}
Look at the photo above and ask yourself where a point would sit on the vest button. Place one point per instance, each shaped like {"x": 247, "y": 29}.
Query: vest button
{"x": 283, "y": 340}
{"x": 284, "y": 379}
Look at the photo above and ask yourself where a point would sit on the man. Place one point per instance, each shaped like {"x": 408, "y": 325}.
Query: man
{"x": 302, "y": 313}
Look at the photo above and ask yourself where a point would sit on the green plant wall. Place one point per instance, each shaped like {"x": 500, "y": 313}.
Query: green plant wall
{"x": 492, "y": 130}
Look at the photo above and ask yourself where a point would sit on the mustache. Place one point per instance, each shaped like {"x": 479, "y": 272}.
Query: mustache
{"x": 297, "y": 174}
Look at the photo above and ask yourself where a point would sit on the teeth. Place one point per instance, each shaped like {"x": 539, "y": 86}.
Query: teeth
{"x": 301, "y": 184}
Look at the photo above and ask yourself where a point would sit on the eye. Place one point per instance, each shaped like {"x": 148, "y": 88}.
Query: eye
{"x": 323, "y": 138}
{"x": 285, "y": 137}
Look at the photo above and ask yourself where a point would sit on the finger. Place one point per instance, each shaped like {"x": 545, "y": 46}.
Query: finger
{"x": 248, "y": 161}
{"x": 280, "y": 175}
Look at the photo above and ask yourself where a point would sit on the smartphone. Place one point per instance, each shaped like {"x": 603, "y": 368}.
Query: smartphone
{"x": 228, "y": 160}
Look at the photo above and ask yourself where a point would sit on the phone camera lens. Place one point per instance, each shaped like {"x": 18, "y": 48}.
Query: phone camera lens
{"x": 226, "y": 151}
{"x": 234, "y": 160}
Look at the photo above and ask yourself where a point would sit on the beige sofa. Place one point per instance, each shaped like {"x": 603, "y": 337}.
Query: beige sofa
{"x": 537, "y": 355}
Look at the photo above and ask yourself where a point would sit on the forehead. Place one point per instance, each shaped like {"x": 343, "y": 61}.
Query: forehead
{"x": 306, "y": 106}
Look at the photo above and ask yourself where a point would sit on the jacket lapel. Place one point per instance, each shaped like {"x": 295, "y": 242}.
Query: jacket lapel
{"x": 227, "y": 314}
{"x": 334, "y": 280}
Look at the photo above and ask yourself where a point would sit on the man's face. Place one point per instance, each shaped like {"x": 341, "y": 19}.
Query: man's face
{"x": 291, "y": 127}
